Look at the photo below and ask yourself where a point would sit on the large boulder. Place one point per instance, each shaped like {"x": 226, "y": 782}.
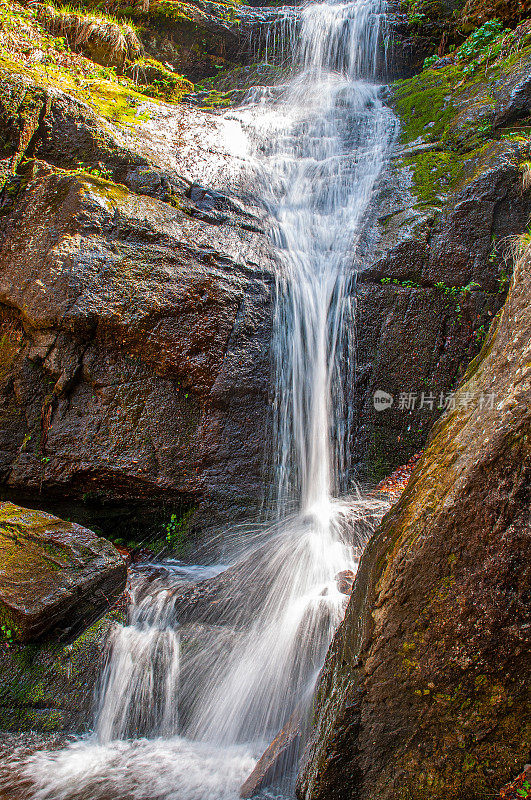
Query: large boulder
{"x": 135, "y": 358}
{"x": 425, "y": 690}
{"x": 56, "y": 578}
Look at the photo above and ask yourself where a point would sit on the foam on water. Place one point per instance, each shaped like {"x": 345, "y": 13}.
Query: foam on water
{"x": 156, "y": 769}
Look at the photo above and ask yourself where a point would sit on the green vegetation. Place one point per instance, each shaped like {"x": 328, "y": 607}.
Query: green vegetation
{"x": 455, "y": 291}
{"x": 6, "y": 634}
{"x": 215, "y": 99}
{"x": 480, "y": 335}
{"x": 177, "y": 533}
{"x": 424, "y": 104}
{"x": 450, "y": 108}
{"x": 485, "y": 43}
{"x": 435, "y": 173}
{"x": 503, "y": 282}
{"x": 429, "y": 103}
{"x": 396, "y": 282}
{"x": 97, "y": 172}
{"x": 94, "y": 57}
{"x": 100, "y": 35}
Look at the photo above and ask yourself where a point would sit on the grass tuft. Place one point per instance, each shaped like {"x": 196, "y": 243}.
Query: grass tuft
{"x": 520, "y": 248}
{"x": 117, "y": 42}
{"x": 525, "y": 169}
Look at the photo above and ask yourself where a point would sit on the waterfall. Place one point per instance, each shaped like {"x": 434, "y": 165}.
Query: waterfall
{"x": 193, "y": 704}
{"x": 331, "y": 140}
{"x": 140, "y": 681}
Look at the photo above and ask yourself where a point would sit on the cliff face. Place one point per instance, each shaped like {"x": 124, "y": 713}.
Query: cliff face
{"x": 425, "y": 690}
{"x": 438, "y": 261}
{"x": 122, "y": 268}
{"x": 134, "y": 305}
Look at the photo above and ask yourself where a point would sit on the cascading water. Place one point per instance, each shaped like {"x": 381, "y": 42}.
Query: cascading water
{"x": 210, "y": 696}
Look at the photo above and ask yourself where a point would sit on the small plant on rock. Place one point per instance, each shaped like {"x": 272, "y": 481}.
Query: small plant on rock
{"x": 6, "y": 635}
{"x": 176, "y": 533}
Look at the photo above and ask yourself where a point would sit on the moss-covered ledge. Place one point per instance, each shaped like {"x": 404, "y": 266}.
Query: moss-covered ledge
{"x": 50, "y": 687}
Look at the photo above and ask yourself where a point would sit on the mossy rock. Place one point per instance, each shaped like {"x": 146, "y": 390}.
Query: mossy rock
{"x": 56, "y": 577}
{"x": 155, "y": 79}
{"x": 49, "y": 687}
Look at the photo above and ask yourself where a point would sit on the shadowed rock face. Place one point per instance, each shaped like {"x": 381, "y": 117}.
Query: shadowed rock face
{"x": 56, "y": 578}
{"x": 135, "y": 349}
{"x": 425, "y": 691}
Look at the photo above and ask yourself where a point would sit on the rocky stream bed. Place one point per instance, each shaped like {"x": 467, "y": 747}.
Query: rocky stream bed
{"x": 142, "y": 265}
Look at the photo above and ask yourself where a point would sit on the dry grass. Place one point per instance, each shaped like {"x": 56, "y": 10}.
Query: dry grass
{"x": 519, "y": 252}
{"x": 525, "y": 169}
{"x": 119, "y": 41}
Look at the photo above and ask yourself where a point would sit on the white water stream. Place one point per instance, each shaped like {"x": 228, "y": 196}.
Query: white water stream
{"x": 184, "y": 710}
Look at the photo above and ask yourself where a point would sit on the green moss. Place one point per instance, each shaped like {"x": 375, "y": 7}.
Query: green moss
{"x": 167, "y": 10}
{"x": 173, "y": 11}
{"x": 114, "y": 102}
{"x": 435, "y": 174}
{"x": 424, "y": 104}
{"x": 454, "y": 104}
{"x": 155, "y": 80}
{"x": 113, "y": 193}
{"x": 215, "y": 99}
{"x": 49, "y": 687}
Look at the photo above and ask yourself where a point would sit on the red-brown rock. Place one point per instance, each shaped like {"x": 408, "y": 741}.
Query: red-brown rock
{"x": 56, "y": 578}
{"x": 279, "y": 756}
{"x": 345, "y": 581}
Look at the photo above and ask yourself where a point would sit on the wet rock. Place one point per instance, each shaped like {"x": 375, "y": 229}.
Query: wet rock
{"x": 197, "y": 279}
{"x": 436, "y": 259}
{"x": 345, "y": 581}
{"x": 154, "y": 183}
{"x": 56, "y": 578}
{"x": 136, "y": 349}
{"x": 71, "y": 133}
{"x": 227, "y": 599}
{"x": 425, "y": 690}
{"x": 196, "y": 38}
{"x": 277, "y": 760}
